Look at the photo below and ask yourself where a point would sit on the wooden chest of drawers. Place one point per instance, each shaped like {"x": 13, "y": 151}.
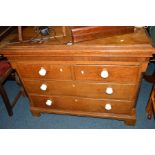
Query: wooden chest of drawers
{"x": 99, "y": 78}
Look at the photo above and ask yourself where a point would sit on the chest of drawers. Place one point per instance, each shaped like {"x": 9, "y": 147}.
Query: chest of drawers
{"x": 99, "y": 78}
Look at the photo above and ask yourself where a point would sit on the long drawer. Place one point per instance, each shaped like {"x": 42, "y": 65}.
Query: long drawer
{"x": 81, "y": 104}
{"x": 83, "y": 89}
{"x": 107, "y": 73}
{"x": 45, "y": 71}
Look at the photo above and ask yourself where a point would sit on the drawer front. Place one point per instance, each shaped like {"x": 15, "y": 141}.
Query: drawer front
{"x": 107, "y": 73}
{"x": 82, "y": 104}
{"x": 45, "y": 71}
{"x": 92, "y": 90}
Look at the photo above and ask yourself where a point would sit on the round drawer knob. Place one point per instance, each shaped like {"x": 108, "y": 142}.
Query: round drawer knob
{"x": 42, "y": 71}
{"x": 43, "y": 87}
{"x": 109, "y": 90}
{"x": 49, "y": 102}
{"x": 108, "y": 106}
{"x": 104, "y": 74}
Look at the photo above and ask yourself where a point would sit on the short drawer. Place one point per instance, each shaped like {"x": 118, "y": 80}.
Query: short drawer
{"x": 107, "y": 73}
{"x": 82, "y": 104}
{"x": 45, "y": 71}
{"x": 82, "y": 89}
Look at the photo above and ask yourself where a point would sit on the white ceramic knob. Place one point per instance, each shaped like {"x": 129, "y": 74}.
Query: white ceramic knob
{"x": 109, "y": 90}
{"x": 108, "y": 106}
{"x": 104, "y": 74}
{"x": 49, "y": 102}
{"x": 42, "y": 71}
{"x": 43, "y": 87}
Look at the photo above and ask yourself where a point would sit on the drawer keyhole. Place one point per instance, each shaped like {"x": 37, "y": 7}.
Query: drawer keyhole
{"x": 61, "y": 70}
{"x": 82, "y": 72}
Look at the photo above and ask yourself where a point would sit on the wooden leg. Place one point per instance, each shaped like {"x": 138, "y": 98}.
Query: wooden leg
{"x": 149, "y": 116}
{"x": 20, "y": 84}
{"x": 149, "y": 109}
{"x": 130, "y": 122}
{"x": 36, "y": 113}
{"x": 20, "y": 33}
{"x": 64, "y": 30}
{"x": 6, "y": 101}
{"x": 153, "y": 101}
{"x": 16, "y": 98}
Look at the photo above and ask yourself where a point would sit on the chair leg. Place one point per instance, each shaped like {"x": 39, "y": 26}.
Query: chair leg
{"x": 6, "y": 101}
{"x": 149, "y": 109}
{"x": 16, "y": 98}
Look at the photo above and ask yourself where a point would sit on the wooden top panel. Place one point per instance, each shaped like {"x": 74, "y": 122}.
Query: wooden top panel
{"x": 136, "y": 43}
{"x": 139, "y": 37}
{"x": 136, "y": 38}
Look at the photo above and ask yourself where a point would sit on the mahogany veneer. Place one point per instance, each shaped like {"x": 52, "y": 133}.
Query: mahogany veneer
{"x": 83, "y": 33}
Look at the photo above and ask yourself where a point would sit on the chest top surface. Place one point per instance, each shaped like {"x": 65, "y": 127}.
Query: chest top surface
{"x": 136, "y": 43}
